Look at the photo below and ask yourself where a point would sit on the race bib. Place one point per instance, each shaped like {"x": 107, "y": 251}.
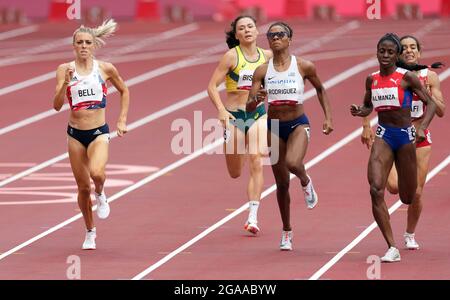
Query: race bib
{"x": 85, "y": 92}
{"x": 245, "y": 79}
{"x": 416, "y": 109}
{"x": 380, "y": 131}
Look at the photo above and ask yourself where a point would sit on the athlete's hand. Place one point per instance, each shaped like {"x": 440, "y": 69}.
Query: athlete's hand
{"x": 121, "y": 128}
{"x": 367, "y": 137}
{"x": 327, "y": 127}
{"x": 68, "y": 74}
{"x": 355, "y": 110}
{"x": 420, "y": 135}
{"x": 261, "y": 95}
{"x": 224, "y": 118}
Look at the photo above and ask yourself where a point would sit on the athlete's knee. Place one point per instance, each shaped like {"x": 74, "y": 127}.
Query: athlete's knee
{"x": 234, "y": 173}
{"x": 282, "y": 185}
{"x": 84, "y": 190}
{"x": 418, "y": 195}
{"x": 294, "y": 167}
{"x": 97, "y": 174}
{"x": 376, "y": 193}
{"x": 407, "y": 197}
{"x": 255, "y": 164}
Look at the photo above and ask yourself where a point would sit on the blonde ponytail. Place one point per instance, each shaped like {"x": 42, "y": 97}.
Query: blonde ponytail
{"x": 105, "y": 30}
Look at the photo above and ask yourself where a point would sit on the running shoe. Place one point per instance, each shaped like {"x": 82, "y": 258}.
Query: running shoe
{"x": 102, "y": 206}
{"x": 410, "y": 241}
{"x": 311, "y": 197}
{"x": 286, "y": 241}
{"x": 251, "y": 227}
{"x": 392, "y": 255}
{"x": 89, "y": 241}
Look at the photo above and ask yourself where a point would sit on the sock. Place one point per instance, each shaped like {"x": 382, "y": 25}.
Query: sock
{"x": 92, "y": 230}
{"x": 253, "y": 215}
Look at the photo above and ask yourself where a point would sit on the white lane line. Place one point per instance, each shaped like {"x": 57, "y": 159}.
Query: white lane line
{"x": 154, "y": 116}
{"x": 17, "y": 32}
{"x": 27, "y": 83}
{"x": 34, "y": 169}
{"x": 183, "y": 103}
{"x": 444, "y": 75}
{"x": 120, "y": 194}
{"x": 315, "y": 44}
{"x": 151, "y": 117}
{"x": 44, "y": 77}
{"x": 372, "y": 226}
{"x": 195, "y": 59}
{"x": 328, "y": 84}
{"x": 356, "y": 133}
{"x": 264, "y": 194}
{"x": 154, "y": 39}
{"x": 39, "y": 49}
{"x": 133, "y": 81}
{"x": 140, "y": 56}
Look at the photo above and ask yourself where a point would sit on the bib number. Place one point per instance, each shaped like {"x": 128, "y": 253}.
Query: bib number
{"x": 380, "y": 131}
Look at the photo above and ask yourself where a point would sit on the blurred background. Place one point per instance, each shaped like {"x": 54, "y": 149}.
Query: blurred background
{"x": 24, "y": 11}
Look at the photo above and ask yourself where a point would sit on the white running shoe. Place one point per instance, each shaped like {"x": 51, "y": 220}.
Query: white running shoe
{"x": 286, "y": 241}
{"x": 89, "y": 241}
{"x": 311, "y": 197}
{"x": 410, "y": 241}
{"x": 392, "y": 255}
{"x": 251, "y": 227}
{"x": 102, "y": 205}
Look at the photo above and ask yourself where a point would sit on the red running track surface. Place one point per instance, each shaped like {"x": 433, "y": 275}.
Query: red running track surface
{"x": 151, "y": 222}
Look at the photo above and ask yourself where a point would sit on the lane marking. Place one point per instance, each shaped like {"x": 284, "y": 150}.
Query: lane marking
{"x": 356, "y": 133}
{"x": 133, "y": 81}
{"x": 442, "y": 76}
{"x": 372, "y": 226}
{"x": 17, "y": 32}
{"x": 165, "y": 170}
{"x": 44, "y": 77}
{"x": 186, "y": 159}
{"x": 120, "y": 194}
{"x": 193, "y": 60}
{"x": 146, "y": 76}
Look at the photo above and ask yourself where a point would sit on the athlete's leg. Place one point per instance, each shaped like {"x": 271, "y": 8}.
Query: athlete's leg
{"x": 257, "y": 147}
{"x": 256, "y": 140}
{"x": 97, "y": 154}
{"x": 281, "y": 174}
{"x": 235, "y": 151}
{"x": 79, "y": 163}
{"x": 405, "y": 160}
{"x": 380, "y": 163}
{"x": 392, "y": 182}
{"x": 296, "y": 147}
{"x": 415, "y": 209}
